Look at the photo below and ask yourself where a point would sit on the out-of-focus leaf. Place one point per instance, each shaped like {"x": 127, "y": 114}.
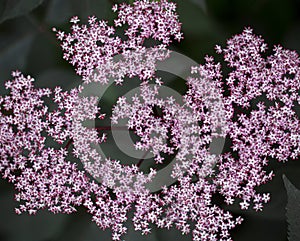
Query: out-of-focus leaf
{"x": 14, "y": 55}
{"x": 60, "y": 11}
{"x": 201, "y": 4}
{"x": 292, "y": 210}
{"x": 14, "y": 8}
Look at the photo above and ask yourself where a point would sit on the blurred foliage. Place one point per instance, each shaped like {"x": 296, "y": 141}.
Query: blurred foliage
{"x": 15, "y": 8}
{"x": 28, "y": 44}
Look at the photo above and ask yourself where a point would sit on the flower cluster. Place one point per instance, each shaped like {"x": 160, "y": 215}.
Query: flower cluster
{"x": 254, "y": 107}
{"x": 271, "y": 127}
{"x": 93, "y": 48}
{"x": 41, "y": 175}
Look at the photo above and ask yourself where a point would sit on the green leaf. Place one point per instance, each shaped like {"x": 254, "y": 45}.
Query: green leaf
{"x": 292, "y": 210}
{"x": 15, "y": 8}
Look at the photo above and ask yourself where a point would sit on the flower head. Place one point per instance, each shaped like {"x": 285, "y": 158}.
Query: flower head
{"x": 253, "y": 107}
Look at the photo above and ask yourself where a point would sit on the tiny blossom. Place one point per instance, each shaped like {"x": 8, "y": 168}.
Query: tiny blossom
{"x": 42, "y": 176}
{"x": 180, "y": 120}
{"x": 91, "y": 48}
{"x": 213, "y": 106}
{"x": 268, "y": 131}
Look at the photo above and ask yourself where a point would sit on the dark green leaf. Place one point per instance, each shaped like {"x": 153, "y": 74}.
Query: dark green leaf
{"x": 292, "y": 210}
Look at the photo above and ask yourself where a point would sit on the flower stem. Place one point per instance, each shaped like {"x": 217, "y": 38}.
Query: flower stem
{"x": 110, "y": 128}
{"x": 68, "y": 144}
{"x": 142, "y": 159}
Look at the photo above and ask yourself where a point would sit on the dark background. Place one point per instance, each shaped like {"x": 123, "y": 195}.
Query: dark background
{"x": 28, "y": 44}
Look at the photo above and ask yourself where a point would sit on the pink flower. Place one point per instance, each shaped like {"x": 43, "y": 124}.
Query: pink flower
{"x": 213, "y": 106}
